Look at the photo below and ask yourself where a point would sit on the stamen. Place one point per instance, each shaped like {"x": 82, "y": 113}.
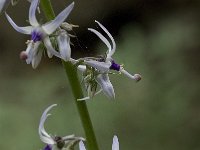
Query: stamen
{"x": 36, "y": 36}
{"x": 29, "y": 41}
{"x": 48, "y": 147}
{"x": 115, "y": 66}
{"x": 23, "y": 55}
{"x": 137, "y": 77}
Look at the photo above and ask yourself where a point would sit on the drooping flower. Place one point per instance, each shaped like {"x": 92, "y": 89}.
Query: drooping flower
{"x": 100, "y": 68}
{"x": 115, "y": 144}
{"x": 109, "y": 63}
{"x": 55, "y": 142}
{"x": 41, "y": 34}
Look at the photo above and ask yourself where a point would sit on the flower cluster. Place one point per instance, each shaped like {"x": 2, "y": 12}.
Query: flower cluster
{"x": 95, "y": 70}
{"x": 53, "y": 38}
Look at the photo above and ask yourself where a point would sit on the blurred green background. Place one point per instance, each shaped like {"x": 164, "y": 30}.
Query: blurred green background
{"x": 158, "y": 39}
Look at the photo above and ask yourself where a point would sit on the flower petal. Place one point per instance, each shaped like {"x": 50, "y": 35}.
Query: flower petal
{"x": 51, "y": 26}
{"x": 115, "y": 144}
{"x": 64, "y": 45}
{"x": 112, "y": 51}
{"x": 81, "y": 146}
{"x": 101, "y": 37}
{"x": 24, "y": 30}
{"x": 29, "y": 52}
{"x": 101, "y": 66}
{"x": 50, "y": 50}
{"x": 37, "y": 58}
{"x": 105, "y": 84}
{"x": 68, "y": 137}
{"x": 44, "y": 136}
{"x": 32, "y": 10}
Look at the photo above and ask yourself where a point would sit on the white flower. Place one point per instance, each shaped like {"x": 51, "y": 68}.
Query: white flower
{"x": 54, "y": 142}
{"x": 103, "y": 67}
{"x": 40, "y": 33}
{"x": 109, "y": 63}
{"x": 115, "y": 144}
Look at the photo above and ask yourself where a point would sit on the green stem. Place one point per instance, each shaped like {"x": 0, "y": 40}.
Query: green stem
{"x": 47, "y": 9}
{"x": 81, "y": 105}
{"x": 71, "y": 72}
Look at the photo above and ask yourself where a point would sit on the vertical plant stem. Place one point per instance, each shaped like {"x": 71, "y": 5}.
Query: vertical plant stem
{"x": 47, "y": 9}
{"x": 71, "y": 72}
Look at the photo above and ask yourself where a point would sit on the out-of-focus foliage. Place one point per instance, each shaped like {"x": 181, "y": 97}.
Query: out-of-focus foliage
{"x": 162, "y": 111}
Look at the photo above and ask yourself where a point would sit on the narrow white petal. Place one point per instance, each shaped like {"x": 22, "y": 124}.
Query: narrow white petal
{"x": 32, "y": 10}
{"x": 44, "y": 136}
{"x": 37, "y": 58}
{"x": 81, "y": 146}
{"x": 24, "y": 30}
{"x": 50, "y": 50}
{"x": 115, "y": 144}
{"x": 51, "y": 26}
{"x": 29, "y": 52}
{"x": 110, "y": 36}
{"x": 50, "y": 55}
{"x": 3, "y": 4}
{"x": 47, "y": 140}
{"x": 42, "y": 131}
{"x": 102, "y": 38}
{"x": 64, "y": 46}
{"x": 72, "y": 138}
{"x": 135, "y": 77}
{"x": 101, "y": 66}
{"x": 68, "y": 137}
{"x": 105, "y": 84}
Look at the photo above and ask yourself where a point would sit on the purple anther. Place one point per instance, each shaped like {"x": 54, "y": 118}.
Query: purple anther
{"x": 36, "y": 36}
{"x": 115, "y": 66}
{"x": 48, "y": 147}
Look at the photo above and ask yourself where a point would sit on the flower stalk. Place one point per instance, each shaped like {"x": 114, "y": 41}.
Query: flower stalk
{"x": 71, "y": 72}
